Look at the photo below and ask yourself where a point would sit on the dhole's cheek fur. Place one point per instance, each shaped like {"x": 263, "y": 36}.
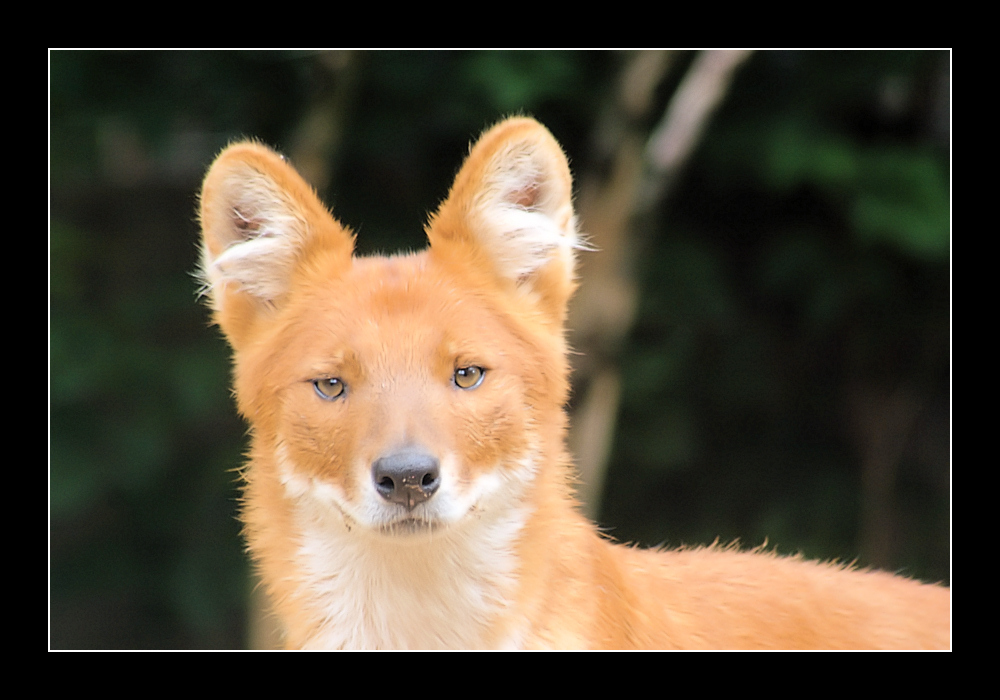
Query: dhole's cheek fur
{"x": 318, "y": 440}
{"x": 494, "y": 429}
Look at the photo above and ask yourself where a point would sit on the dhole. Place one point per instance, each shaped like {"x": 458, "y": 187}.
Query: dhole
{"x": 408, "y": 484}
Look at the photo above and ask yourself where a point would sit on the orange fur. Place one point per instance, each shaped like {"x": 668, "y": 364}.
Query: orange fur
{"x": 408, "y": 483}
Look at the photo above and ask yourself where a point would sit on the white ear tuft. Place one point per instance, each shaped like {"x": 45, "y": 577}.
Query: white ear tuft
{"x": 524, "y": 212}
{"x": 258, "y": 231}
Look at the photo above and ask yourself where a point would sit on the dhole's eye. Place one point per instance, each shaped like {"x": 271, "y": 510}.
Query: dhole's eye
{"x": 469, "y": 377}
{"x": 330, "y": 388}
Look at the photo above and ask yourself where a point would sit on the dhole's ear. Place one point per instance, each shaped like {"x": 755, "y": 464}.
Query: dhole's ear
{"x": 512, "y": 207}
{"x": 257, "y": 216}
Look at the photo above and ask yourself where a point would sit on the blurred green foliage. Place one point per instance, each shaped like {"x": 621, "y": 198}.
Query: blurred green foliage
{"x": 803, "y": 261}
{"x": 803, "y": 266}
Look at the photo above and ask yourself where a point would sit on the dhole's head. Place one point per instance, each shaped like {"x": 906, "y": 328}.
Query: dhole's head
{"x": 407, "y": 393}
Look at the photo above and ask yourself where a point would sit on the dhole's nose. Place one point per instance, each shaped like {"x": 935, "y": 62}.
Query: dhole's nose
{"x": 407, "y": 477}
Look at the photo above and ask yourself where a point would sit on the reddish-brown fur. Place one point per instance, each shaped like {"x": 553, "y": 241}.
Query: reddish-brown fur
{"x": 493, "y": 552}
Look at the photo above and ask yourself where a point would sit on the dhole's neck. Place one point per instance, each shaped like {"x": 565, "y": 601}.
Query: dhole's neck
{"x": 360, "y": 589}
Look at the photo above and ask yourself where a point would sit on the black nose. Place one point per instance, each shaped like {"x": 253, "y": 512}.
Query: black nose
{"x": 408, "y": 477}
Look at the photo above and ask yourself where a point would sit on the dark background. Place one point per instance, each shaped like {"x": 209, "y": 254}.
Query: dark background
{"x": 786, "y": 377}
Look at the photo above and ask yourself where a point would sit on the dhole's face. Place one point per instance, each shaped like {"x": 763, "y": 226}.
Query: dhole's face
{"x": 401, "y": 395}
